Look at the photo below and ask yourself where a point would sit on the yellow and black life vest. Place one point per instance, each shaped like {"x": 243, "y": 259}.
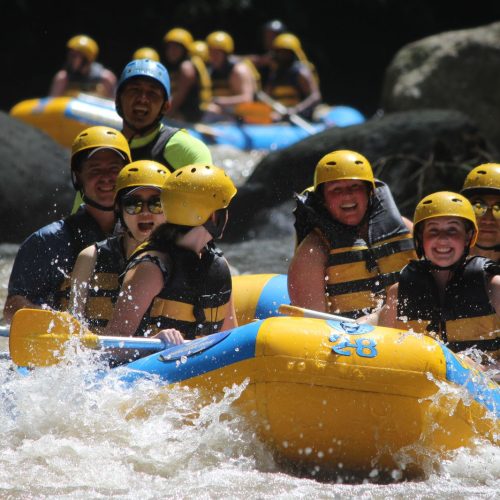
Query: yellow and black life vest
{"x": 464, "y": 317}
{"x": 220, "y": 78}
{"x": 104, "y": 286}
{"x": 84, "y": 231}
{"x": 199, "y": 95}
{"x": 358, "y": 272}
{"x": 196, "y": 291}
{"x": 283, "y": 85}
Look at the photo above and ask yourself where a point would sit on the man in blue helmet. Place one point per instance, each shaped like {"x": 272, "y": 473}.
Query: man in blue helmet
{"x": 142, "y": 100}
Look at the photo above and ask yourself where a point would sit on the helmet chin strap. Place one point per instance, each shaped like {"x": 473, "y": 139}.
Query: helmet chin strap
{"x": 495, "y": 248}
{"x": 94, "y": 204}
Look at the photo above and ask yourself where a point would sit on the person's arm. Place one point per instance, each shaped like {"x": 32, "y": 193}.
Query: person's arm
{"x": 59, "y": 84}
{"x": 242, "y": 84}
{"x": 80, "y": 280}
{"x": 140, "y": 286}
{"x": 184, "y": 149}
{"x": 387, "y": 316}
{"x": 34, "y": 277}
{"x": 494, "y": 293}
{"x": 306, "y": 274}
{"x": 15, "y": 302}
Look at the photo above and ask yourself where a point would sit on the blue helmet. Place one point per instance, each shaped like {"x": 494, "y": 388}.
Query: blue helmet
{"x": 145, "y": 68}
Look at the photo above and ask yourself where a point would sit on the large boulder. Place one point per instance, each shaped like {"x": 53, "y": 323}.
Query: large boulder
{"x": 415, "y": 152}
{"x": 453, "y": 70}
{"x": 35, "y": 184}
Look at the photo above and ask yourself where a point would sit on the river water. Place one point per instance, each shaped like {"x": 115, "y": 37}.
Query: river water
{"x": 61, "y": 438}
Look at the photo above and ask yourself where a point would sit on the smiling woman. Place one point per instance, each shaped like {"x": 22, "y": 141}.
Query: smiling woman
{"x": 447, "y": 294}
{"x": 352, "y": 240}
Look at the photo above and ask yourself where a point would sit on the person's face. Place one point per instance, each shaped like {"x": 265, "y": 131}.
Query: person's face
{"x": 283, "y": 57}
{"x": 217, "y": 57}
{"x": 346, "y": 200}
{"x": 142, "y": 100}
{"x": 76, "y": 61}
{"x": 141, "y": 224}
{"x": 174, "y": 52}
{"x": 489, "y": 226}
{"x": 98, "y": 174}
{"x": 444, "y": 240}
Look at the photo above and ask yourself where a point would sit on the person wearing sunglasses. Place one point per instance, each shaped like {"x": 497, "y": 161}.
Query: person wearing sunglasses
{"x": 482, "y": 188}
{"x": 95, "y": 280}
{"x": 447, "y": 293}
{"x": 178, "y": 285}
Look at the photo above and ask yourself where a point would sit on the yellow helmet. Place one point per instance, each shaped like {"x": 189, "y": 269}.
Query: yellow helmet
{"x": 482, "y": 179}
{"x": 445, "y": 204}
{"x": 141, "y": 173}
{"x": 343, "y": 165}
{"x": 288, "y": 41}
{"x": 221, "y": 40}
{"x": 180, "y": 36}
{"x": 100, "y": 137}
{"x": 85, "y": 45}
{"x": 146, "y": 53}
{"x": 192, "y": 193}
{"x": 199, "y": 48}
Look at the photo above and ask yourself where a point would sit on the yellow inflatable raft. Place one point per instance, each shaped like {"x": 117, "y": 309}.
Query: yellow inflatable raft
{"x": 332, "y": 394}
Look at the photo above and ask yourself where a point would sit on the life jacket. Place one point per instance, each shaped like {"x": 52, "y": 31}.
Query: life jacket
{"x": 84, "y": 231}
{"x": 198, "y": 96}
{"x": 283, "y": 85}
{"x": 220, "y": 78}
{"x": 358, "y": 272}
{"x": 464, "y": 317}
{"x": 196, "y": 291}
{"x": 104, "y": 286}
{"x": 90, "y": 84}
{"x": 154, "y": 150}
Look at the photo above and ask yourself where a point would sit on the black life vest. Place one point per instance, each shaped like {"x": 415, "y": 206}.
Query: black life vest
{"x": 196, "y": 292}
{"x": 154, "y": 150}
{"x": 465, "y": 316}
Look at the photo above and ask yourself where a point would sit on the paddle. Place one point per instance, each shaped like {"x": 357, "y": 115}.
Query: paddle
{"x": 254, "y": 112}
{"x": 283, "y": 110}
{"x": 302, "y": 312}
{"x": 38, "y": 338}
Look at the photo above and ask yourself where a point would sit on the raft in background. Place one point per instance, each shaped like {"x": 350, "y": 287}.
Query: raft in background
{"x": 63, "y": 118}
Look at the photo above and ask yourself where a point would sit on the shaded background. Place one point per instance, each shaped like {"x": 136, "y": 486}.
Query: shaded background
{"x": 350, "y": 41}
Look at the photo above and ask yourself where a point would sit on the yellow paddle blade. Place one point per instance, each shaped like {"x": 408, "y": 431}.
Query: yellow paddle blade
{"x": 254, "y": 112}
{"x": 38, "y": 336}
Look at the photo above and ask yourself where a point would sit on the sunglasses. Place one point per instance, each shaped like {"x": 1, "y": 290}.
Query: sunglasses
{"x": 480, "y": 208}
{"x": 134, "y": 206}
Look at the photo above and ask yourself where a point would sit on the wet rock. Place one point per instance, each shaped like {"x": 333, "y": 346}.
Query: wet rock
{"x": 457, "y": 70}
{"x": 35, "y": 184}
{"x": 415, "y": 152}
